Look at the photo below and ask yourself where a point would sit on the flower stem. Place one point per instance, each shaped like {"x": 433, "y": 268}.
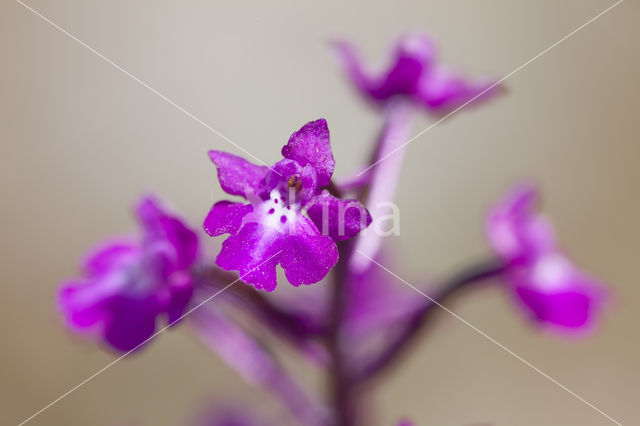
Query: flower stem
{"x": 384, "y": 178}
{"x": 295, "y": 327}
{"x": 385, "y": 173}
{"x": 251, "y": 359}
{"x": 340, "y": 381}
{"x": 416, "y": 323}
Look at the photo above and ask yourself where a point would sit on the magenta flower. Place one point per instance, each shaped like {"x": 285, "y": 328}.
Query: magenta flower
{"x": 290, "y": 220}
{"x": 546, "y": 282}
{"x": 128, "y": 284}
{"x": 229, "y": 416}
{"x": 413, "y": 73}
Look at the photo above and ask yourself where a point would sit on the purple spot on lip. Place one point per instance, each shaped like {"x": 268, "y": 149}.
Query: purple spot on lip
{"x": 288, "y": 207}
{"x": 275, "y": 200}
{"x": 271, "y": 210}
{"x": 283, "y": 219}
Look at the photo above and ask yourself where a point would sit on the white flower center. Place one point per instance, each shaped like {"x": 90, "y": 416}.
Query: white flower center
{"x": 551, "y": 272}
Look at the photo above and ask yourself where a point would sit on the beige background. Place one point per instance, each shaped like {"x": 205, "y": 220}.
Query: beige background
{"x": 80, "y": 140}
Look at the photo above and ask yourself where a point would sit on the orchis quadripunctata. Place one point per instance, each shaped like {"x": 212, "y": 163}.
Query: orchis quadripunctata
{"x": 274, "y": 227}
{"x": 297, "y": 217}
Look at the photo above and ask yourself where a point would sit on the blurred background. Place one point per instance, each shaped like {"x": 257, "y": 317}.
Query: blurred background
{"x": 81, "y": 140}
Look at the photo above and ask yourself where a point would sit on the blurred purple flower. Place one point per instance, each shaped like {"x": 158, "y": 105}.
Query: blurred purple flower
{"x": 128, "y": 284}
{"x": 274, "y": 228}
{"x": 229, "y": 415}
{"x": 413, "y": 73}
{"x": 546, "y": 282}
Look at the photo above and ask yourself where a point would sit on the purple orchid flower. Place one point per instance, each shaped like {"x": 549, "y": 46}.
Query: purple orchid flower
{"x": 291, "y": 220}
{"x": 546, "y": 282}
{"x": 228, "y": 414}
{"x": 415, "y": 74}
{"x": 128, "y": 284}
{"x": 238, "y": 417}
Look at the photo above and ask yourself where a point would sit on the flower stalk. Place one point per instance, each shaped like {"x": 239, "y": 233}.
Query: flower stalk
{"x": 385, "y": 173}
{"x": 252, "y": 360}
{"x": 451, "y": 288}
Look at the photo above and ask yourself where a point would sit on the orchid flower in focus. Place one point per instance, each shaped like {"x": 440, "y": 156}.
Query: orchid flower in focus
{"x": 290, "y": 220}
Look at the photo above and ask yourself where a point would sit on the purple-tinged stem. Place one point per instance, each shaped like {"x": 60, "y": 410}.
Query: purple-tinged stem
{"x": 255, "y": 364}
{"x": 295, "y": 327}
{"x": 383, "y": 182}
{"x": 416, "y": 323}
{"x": 399, "y": 114}
{"x": 340, "y": 380}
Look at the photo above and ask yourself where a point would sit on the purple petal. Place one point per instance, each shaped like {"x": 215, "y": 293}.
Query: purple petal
{"x": 229, "y": 416}
{"x": 109, "y": 254}
{"x": 352, "y": 64}
{"x": 414, "y": 55}
{"x": 305, "y": 255}
{"x": 414, "y": 73}
{"x": 225, "y": 217}
{"x": 310, "y": 145}
{"x": 254, "y": 252}
{"x": 180, "y": 292}
{"x": 308, "y": 256}
{"x": 131, "y": 323}
{"x": 160, "y": 227}
{"x": 568, "y": 309}
{"x": 443, "y": 91}
{"x": 515, "y": 230}
{"x": 556, "y": 292}
{"x": 337, "y": 218}
{"x": 238, "y": 176}
{"x": 417, "y": 47}
{"x": 81, "y": 305}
